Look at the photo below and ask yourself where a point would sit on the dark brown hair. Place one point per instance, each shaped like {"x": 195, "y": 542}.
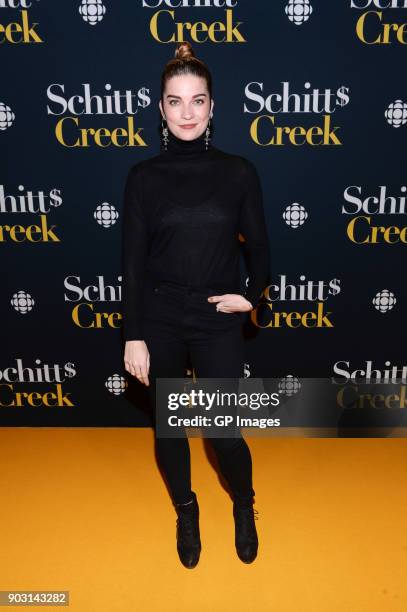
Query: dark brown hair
{"x": 185, "y": 62}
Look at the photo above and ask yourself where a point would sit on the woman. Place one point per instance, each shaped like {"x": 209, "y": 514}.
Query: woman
{"x": 183, "y": 212}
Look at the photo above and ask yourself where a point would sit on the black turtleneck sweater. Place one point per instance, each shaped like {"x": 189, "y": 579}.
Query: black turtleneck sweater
{"x": 183, "y": 212}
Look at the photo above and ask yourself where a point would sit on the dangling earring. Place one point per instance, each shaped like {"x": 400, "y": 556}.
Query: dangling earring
{"x": 207, "y": 133}
{"x": 164, "y": 133}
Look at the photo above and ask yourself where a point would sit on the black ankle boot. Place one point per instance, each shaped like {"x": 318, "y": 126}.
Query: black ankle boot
{"x": 246, "y": 540}
{"x": 188, "y": 537}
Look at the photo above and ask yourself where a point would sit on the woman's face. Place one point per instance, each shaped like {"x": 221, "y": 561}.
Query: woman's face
{"x": 186, "y": 106}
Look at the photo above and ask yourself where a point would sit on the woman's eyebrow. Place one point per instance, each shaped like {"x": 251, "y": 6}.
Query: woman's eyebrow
{"x": 195, "y": 96}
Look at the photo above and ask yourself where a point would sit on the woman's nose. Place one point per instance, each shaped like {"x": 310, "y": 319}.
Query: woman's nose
{"x": 187, "y": 113}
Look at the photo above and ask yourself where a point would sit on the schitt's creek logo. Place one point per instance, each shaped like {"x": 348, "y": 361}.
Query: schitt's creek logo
{"x": 382, "y": 22}
{"x": 21, "y": 30}
{"x": 269, "y": 128}
{"x": 356, "y": 385}
{"x": 76, "y": 111}
{"x": 169, "y": 26}
{"x": 88, "y": 310}
{"x": 374, "y": 215}
{"x": 290, "y": 304}
{"x": 38, "y": 385}
{"x": 28, "y": 205}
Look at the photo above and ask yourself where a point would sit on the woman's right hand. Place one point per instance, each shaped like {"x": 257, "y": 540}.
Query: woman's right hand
{"x": 137, "y": 360}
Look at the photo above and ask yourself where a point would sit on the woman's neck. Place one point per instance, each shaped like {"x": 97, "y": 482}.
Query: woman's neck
{"x": 178, "y": 146}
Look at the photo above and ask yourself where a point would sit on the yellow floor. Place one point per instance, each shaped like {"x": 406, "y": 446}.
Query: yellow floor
{"x": 86, "y": 510}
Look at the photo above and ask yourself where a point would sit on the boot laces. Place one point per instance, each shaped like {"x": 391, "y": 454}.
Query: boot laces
{"x": 249, "y": 512}
{"x": 244, "y": 523}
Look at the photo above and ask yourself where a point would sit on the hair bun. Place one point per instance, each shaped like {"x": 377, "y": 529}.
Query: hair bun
{"x": 184, "y": 51}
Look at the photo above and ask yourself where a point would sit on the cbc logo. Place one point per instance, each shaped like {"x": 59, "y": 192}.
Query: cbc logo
{"x": 6, "y": 116}
{"x": 396, "y": 113}
{"x": 106, "y": 214}
{"x": 92, "y": 11}
{"x": 295, "y": 215}
{"x": 384, "y": 300}
{"x": 116, "y": 384}
{"x": 298, "y": 11}
{"x": 22, "y": 302}
{"x": 289, "y": 385}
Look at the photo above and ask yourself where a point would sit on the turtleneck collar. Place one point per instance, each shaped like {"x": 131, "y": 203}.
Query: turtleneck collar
{"x": 178, "y": 146}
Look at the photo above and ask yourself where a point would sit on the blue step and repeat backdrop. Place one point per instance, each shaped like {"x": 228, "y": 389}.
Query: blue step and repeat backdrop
{"x": 313, "y": 92}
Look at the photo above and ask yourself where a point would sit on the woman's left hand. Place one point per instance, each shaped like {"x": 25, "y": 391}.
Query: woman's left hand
{"x": 231, "y": 302}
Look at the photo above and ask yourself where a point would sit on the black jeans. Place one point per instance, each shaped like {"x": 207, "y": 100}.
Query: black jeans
{"x": 178, "y": 321}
